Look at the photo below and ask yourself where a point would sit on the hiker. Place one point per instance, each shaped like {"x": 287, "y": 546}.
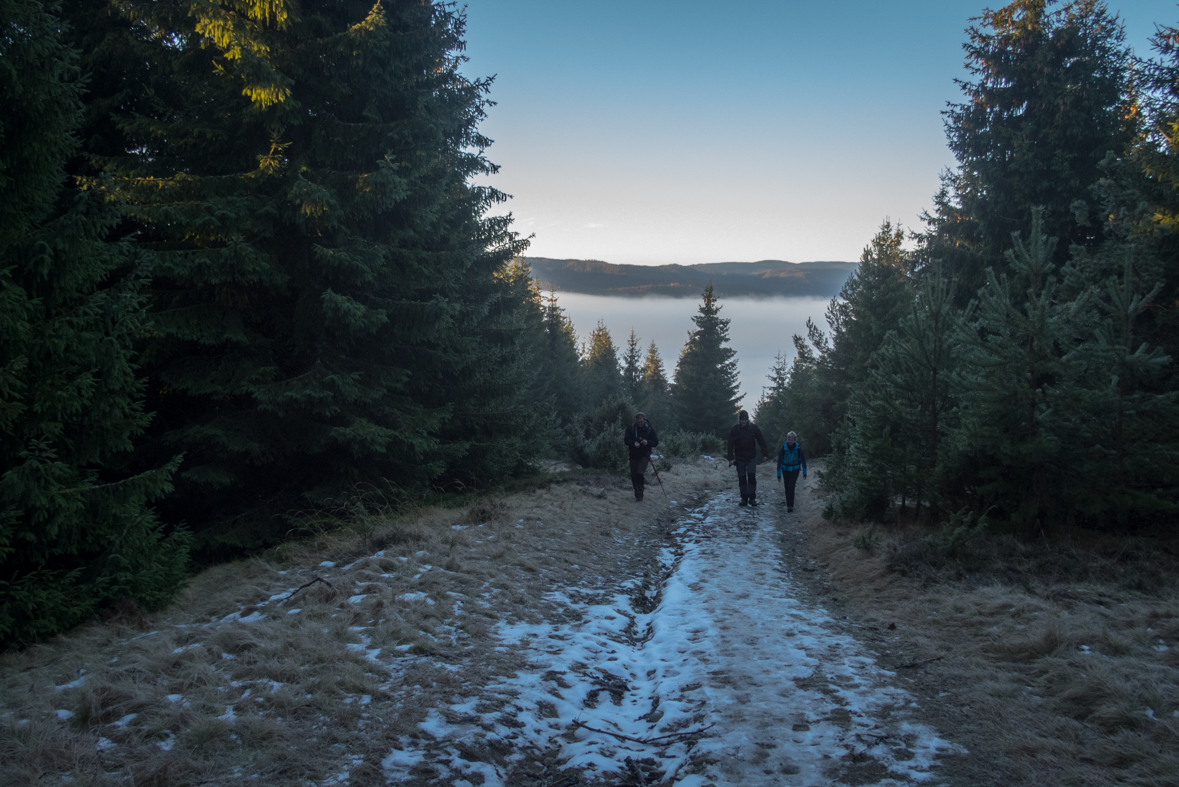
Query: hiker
{"x": 743, "y": 441}
{"x": 640, "y": 438}
{"x": 791, "y": 459}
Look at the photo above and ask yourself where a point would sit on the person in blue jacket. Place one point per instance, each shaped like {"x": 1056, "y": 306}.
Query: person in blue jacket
{"x": 791, "y": 460}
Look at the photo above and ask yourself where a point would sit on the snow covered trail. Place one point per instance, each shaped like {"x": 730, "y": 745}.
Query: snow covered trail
{"x": 708, "y": 671}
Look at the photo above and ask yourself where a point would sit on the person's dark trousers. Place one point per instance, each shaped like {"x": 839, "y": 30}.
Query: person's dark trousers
{"x": 790, "y": 478}
{"x": 637, "y": 468}
{"x": 747, "y": 477}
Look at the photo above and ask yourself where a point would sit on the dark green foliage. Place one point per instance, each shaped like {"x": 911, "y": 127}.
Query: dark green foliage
{"x": 74, "y": 537}
{"x": 632, "y": 373}
{"x": 1138, "y": 195}
{"x": 897, "y": 420}
{"x": 772, "y": 414}
{"x": 1047, "y": 99}
{"x": 705, "y": 392}
{"x": 326, "y": 302}
{"x": 688, "y": 445}
{"x": 654, "y": 390}
{"x": 600, "y": 374}
{"x": 559, "y": 361}
{"x": 596, "y": 435}
{"x": 826, "y": 371}
{"x": 1129, "y": 419}
{"x": 1018, "y": 433}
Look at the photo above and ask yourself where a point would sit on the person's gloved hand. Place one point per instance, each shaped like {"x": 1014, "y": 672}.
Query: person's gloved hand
{"x": 804, "y": 474}
{"x": 779, "y": 475}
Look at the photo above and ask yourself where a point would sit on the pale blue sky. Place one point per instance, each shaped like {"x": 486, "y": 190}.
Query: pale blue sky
{"x": 659, "y": 131}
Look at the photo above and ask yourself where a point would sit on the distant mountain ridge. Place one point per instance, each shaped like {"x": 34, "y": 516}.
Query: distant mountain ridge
{"x": 767, "y": 278}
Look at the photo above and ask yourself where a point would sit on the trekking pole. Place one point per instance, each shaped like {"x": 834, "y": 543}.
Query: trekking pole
{"x": 656, "y": 472}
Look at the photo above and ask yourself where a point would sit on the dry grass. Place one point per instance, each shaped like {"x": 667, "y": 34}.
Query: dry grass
{"x": 1059, "y": 664}
{"x": 241, "y": 682}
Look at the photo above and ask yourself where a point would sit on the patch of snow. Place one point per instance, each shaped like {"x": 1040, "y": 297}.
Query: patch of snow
{"x": 105, "y": 744}
{"x": 73, "y": 684}
{"x": 327, "y": 564}
{"x": 415, "y": 595}
{"x": 293, "y": 611}
{"x": 123, "y": 722}
{"x": 63, "y": 715}
{"x": 357, "y": 599}
{"x": 714, "y": 677}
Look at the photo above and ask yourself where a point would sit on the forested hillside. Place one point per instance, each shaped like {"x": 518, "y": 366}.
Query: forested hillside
{"x": 760, "y": 279}
{"x": 247, "y": 276}
{"x": 1014, "y": 371}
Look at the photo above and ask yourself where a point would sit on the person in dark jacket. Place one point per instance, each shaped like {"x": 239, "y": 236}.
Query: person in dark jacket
{"x": 640, "y": 438}
{"x": 743, "y": 441}
{"x": 791, "y": 459}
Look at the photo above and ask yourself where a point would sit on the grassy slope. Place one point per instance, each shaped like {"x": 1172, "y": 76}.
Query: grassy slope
{"x": 1057, "y": 664}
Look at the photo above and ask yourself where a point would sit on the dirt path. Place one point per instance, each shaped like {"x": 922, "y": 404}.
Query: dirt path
{"x": 562, "y": 636}
{"x": 719, "y": 666}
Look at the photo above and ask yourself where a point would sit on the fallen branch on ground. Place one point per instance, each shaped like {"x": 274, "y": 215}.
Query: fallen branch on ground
{"x": 913, "y": 664}
{"x": 309, "y": 584}
{"x": 645, "y": 741}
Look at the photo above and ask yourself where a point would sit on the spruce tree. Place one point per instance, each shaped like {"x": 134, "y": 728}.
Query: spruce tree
{"x": 871, "y": 303}
{"x": 772, "y": 414}
{"x": 705, "y": 392}
{"x": 1047, "y": 98}
{"x": 632, "y": 374}
{"x": 601, "y": 375}
{"x": 1131, "y": 425}
{"x": 654, "y": 392}
{"x": 325, "y": 299}
{"x": 74, "y": 536}
{"x": 560, "y": 362}
{"x": 1020, "y": 390}
{"x": 899, "y": 418}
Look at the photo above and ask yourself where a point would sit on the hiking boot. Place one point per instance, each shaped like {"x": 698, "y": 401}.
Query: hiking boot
{"x": 639, "y": 496}
{"x": 789, "y": 509}
{"x": 744, "y": 502}
{"x": 752, "y": 502}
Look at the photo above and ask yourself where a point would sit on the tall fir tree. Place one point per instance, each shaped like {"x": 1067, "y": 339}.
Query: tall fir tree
{"x": 74, "y": 536}
{"x": 325, "y": 298}
{"x": 871, "y": 303}
{"x": 654, "y": 391}
{"x": 560, "y": 361}
{"x": 705, "y": 392}
{"x": 1130, "y": 421}
{"x": 1019, "y": 389}
{"x": 632, "y": 373}
{"x": 1047, "y": 98}
{"x": 772, "y": 414}
{"x": 601, "y": 374}
{"x": 900, "y": 416}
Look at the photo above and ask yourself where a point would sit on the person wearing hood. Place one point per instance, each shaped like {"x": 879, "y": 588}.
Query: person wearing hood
{"x": 791, "y": 460}
{"x": 744, "y": 439}
{"x": 640, "y": 438}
